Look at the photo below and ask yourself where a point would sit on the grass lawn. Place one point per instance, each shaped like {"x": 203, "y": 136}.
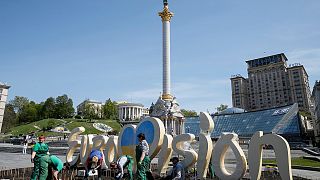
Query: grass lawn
{"x": 297, "y": 161}
{"x": 70, "y": 124}
{"x": 89, "y": 125}
{"x": 35, "y": 126}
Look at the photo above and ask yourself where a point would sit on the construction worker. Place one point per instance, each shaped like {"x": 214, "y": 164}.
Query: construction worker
{"x": 142, "y": 157}
{"x": 52, "y": 162}
{"x": 39, "y": 149}
{"x": 177, "y": 172}
{"x": 95, "y": 162}
{"x": 123, "y": 162}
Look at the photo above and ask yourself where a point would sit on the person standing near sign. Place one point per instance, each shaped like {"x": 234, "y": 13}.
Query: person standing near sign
{"x": 39, "y": 149}
{"x": 142, "y": 157}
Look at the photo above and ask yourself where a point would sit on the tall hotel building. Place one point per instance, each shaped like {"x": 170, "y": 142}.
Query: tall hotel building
{"x": 271, "y": 83}
{"x": 316, "y": 110}
{"x": 3, "y": 98}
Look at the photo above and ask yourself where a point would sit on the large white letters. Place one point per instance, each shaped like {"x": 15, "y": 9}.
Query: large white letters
{"x": 74, "y": 143}
{"x": 205, "y": 144}
{"x": 219, "y": 152}
{"x": 111, "y": 151}
{"x": 163, "y": 144}
{"x": 85, "y": 148}
{"x": 178, "y": 145}
{"x": 165, "y": 154}
{"x": 282, "y": 151}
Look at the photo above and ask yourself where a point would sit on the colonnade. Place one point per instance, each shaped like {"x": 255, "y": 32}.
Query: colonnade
{"x": 130, "y": 112}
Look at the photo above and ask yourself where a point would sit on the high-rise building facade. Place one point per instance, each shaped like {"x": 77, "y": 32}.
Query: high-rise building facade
{"x": 271, "y": 83}
{"x": 316, "y": 111}
{"x": 3, "y": 98}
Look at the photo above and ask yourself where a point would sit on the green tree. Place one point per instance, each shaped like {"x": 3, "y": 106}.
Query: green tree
{"x": 110, "y": 110}
{"x": 48, "y": 108}
{"x": 188, "y": 113}
{"x": 51, "y": 124}
{"x": 29, "y": 113}
{"x": 90, "y": 111}
{"x": 18, "y": 102}
{"x": 64, "y": 107}
{"x": 222, "y": 107}
{"x": 9, "y": 118}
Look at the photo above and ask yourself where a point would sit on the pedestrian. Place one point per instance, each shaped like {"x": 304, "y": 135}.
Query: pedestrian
{"x": 177, "y": 172}
{"x": 123, "y": 162}
{"x": 39, "y": 149}
{"x": 142, "y": 157}
{"x": 50, "y": 162}
{"x": 25, "y": 146}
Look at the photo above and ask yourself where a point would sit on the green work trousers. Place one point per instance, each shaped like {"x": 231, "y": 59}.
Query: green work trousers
{"x": 36, "y": 168}
{"x": 143, "y": 168}
{"x": 129, "y": 167}
{"x": 45, "y": 161}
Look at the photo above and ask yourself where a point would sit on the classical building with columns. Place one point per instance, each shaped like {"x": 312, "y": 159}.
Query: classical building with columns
{"x": 3, "y": 98}
{"x": 130, "y": 111}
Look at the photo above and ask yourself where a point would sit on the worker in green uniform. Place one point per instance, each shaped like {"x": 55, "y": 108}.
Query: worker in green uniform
{"x": 142, "y": 157}
{"x": 50, "y": 162}
{"x": 211, "y": 170}
{"x": 39, "y": 149}
{"x": 123, "y": 162}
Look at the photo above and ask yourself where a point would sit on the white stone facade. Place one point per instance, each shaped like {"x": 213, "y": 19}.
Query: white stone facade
{"x": 95, "y": 104}
{"x": 3, "y": 99}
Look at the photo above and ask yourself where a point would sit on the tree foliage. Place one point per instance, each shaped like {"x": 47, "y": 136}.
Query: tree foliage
{"x": 25, "y": 111}
{"x": 64, "y": 107}
{"x": 222, "y": 107}
{"x": 189, "y": 113}
{"x": 18, "y": 103}
{"x": 90, "y": 111}
{"x": 110, "y": 110}
{"x": 28, "y": 113}
{"x": 48, "y": 108}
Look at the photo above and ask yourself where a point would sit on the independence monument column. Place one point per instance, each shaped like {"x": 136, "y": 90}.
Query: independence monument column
{"x": 166, "y": 16}
{"x": 167, "y": 108}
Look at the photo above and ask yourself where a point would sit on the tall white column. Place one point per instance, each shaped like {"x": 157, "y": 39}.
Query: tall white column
{"x": 166, "y": 17}
{"x": 166, "y": 57}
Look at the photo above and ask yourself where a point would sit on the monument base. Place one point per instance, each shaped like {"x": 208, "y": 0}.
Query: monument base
{"x": 168, "y": 110}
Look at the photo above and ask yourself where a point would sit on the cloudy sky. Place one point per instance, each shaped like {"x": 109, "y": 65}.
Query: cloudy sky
{"x": 102, "y": 49}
